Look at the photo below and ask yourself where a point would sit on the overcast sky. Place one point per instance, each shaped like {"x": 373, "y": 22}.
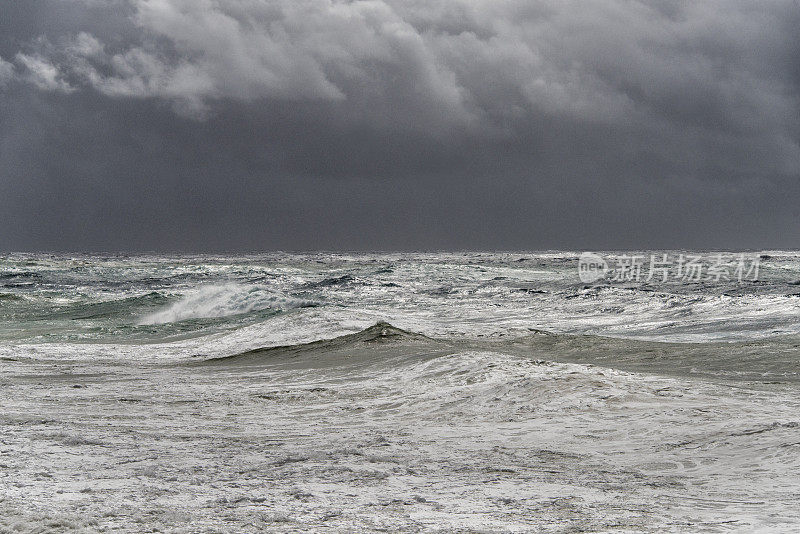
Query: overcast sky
{"x": 228, "y": 125}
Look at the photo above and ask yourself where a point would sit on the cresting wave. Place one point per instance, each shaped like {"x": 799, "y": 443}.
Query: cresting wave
{"x": 223, "y": 301}
{"x": 379, "y": 342}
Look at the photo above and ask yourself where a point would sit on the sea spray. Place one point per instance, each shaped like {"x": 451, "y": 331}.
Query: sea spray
{"x": 223, "y": 301}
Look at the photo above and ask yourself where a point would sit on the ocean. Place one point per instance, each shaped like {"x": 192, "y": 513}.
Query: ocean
{"x": 422, "y": 392}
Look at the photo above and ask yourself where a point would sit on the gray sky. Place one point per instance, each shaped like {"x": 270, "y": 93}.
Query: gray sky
{"x": 223, "y": 125}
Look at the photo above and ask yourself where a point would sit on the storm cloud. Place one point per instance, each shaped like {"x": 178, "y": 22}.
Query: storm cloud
{"x": 256, "y": 124}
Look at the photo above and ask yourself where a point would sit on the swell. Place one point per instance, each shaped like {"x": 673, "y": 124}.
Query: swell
{"x": 124, "y": 306}
{"x": 775, "y": 359}
{"x": 771, "y": 360}
{"x": 39, "y": 309}
{"x": 379, "y": 340}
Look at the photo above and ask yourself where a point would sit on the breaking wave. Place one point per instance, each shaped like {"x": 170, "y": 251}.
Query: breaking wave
{"x": 223, "y": 301}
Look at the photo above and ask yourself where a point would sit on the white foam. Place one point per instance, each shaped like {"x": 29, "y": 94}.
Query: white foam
{"x": 470, "y": 441}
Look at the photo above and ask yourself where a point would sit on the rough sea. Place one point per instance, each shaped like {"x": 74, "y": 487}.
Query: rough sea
{"x": 424, "y": 392}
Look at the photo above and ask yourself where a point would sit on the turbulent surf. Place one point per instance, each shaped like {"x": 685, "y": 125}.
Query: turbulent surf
{"x": 460, "y": 392}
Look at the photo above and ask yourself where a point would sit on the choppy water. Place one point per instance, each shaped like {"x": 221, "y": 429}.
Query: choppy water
{"x": 498, "y": 392}
{"x": 53, "y": 298}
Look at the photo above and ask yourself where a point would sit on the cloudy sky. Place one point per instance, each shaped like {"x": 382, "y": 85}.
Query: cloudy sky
{"x": 225, "y": 125}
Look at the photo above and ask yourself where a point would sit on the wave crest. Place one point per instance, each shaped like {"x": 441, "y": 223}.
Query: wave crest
{"x": 223, "y": 301}
{"x": 370, "y": 343}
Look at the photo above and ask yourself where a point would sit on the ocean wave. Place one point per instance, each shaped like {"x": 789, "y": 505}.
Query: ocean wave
{"x": 769, "y": 360}
{"x": 379, "y": 336}
{"x": 222, "y": 301}
{"x": 331, "y": 282}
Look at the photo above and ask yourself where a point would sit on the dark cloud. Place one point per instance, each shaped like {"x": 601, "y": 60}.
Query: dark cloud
{"x": 248, "y": 124}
